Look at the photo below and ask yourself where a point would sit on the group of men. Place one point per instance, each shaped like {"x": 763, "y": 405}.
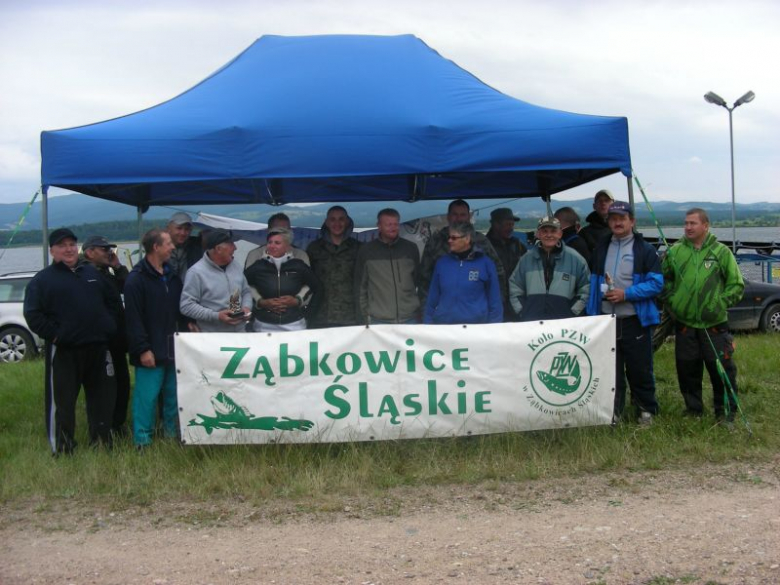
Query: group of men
{"x": 189, "y": 283}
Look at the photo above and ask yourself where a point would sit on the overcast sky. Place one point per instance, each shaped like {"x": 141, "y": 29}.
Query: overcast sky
{"x": 64, "y": 64}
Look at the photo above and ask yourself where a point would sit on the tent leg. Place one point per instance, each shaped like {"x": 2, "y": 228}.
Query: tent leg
{"x": 140, "y": 231}
{"x": 45, "y": 223}
{"x": 630, "y": 192}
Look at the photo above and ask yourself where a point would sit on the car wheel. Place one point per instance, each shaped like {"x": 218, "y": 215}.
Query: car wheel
{"x": 16, "y": 345}
{"x": 770, "y": 320}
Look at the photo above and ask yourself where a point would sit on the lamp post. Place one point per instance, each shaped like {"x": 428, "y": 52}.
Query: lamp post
{"x": 714, "y": 98}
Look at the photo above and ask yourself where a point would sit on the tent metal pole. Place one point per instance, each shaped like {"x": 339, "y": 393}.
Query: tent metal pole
{"x": 630, "y": 192}
{"x": 140, "y": 231}
{"x": 45, "y": 223}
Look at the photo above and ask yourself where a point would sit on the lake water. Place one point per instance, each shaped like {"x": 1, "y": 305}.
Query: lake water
{"x": 31, "y": 258}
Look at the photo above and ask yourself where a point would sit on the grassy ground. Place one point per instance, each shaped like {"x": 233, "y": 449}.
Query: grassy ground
{"x": 169, "y": 472}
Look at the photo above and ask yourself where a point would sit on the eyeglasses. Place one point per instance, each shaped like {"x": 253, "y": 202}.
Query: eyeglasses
{"x": 456, "y": 237}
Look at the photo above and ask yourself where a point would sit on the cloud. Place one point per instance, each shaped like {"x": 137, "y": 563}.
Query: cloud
{"x": 17, "y": 164}
{"x": 695, "y": 160}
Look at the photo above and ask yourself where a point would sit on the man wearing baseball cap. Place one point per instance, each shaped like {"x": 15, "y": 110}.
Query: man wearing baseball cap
{"x": 507, "y": 246}
{"x": 551, "y": 280}
{"x": 99, "y": 252}
{"x": 212, "y": 283}
{"x": 625, "y": 281}
{"x": 73, "y": 308}
{"x": 188, "y": 248}
{"x": 597, "y": 228}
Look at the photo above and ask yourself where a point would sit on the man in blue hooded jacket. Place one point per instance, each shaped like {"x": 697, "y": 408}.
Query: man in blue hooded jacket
{"x": 625, "y": 280}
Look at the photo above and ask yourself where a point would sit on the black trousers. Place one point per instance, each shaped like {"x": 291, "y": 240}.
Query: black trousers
{"x": 67, "y": 369}
{"x": 692, "y": 352}
{"x": 634, "y": 360}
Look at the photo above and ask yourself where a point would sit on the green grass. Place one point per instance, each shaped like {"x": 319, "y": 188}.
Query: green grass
{"x": 324, "y": 474}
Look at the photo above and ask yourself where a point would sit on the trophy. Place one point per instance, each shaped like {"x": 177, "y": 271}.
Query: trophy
{"x": 234, "y": 305}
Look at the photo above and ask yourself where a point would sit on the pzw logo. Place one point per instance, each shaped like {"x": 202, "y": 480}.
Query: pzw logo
{"x": 561, "y": 373}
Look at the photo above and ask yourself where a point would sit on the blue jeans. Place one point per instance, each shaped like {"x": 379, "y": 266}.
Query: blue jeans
{"x": 149, "y": 382}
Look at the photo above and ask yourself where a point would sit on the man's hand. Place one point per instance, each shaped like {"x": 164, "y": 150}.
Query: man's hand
{"x": 278, "y": 305}
{"x": 224, "y": 317}
{"x": 193, "y": 327}
{"x": 616, "y": 295}
{"x": 147, "y": 359}
{"x": 113, "y": 260}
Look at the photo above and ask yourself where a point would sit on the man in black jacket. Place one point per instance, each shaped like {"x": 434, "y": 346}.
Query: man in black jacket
{"x": 570, "y": 226}
{"x": 152, "y": 295}
{"x": 597, "y": 228}
{"x": 99, "y": 252}
{"x": 73, "y": 308}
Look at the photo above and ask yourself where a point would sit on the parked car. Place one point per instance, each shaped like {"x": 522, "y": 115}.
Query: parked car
{"x": 758, "y": 309}
{"x": 17, "y": 342}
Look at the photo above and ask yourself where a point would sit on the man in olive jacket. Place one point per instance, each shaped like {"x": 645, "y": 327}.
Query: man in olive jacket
{"x": 387, "y": 275}
{"x": 702, "y": 280}
{"x": 333, "y": 256}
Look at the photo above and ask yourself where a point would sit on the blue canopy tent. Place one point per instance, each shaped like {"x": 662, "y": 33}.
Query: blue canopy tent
{"x": 335, "y": 118}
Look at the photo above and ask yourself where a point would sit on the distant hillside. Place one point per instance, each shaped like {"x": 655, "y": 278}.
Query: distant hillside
{"x": 74, "y": 210}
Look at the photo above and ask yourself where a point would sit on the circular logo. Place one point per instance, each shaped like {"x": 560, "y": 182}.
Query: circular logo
{"x": 561, "y": 372}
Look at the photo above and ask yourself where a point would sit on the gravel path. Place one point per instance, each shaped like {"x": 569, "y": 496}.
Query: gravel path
{"x": 715, "y": 524}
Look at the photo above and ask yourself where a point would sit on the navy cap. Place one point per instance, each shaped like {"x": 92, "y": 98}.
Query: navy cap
{"x": 216, "y": 237}
{"x": 621, "y": 208}
{"x": 97, "y": 242}
{"x": 60, "y": 234}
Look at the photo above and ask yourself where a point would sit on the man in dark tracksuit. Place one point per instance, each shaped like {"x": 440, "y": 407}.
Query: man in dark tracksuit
{"x": 73, "y": 309}
{"x": 100, "y": 253}
{"x": 629, "y": 293}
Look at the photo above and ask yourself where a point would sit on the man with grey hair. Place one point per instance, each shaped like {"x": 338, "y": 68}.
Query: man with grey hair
{"x": 551, "y": 280}
{"x": 464, "y": 287}
{"x": 277, "y": 220}
{"x": 438, "y": 245}
{"x": 215, "y": 283}
{"x": 597, "y": 228}
{"x": 188, "y": 248}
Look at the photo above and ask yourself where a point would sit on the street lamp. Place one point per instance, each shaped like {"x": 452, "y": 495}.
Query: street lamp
{"x": 714, "y": 98}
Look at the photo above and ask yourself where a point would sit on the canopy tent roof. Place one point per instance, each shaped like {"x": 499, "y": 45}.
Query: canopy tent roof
{"x": 335, "y": 118}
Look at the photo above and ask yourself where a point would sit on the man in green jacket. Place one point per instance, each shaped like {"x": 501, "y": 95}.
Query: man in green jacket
{"x": 702, "y": 280}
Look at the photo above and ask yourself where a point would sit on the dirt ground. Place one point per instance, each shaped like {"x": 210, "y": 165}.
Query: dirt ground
{"x": 715, "y": 524}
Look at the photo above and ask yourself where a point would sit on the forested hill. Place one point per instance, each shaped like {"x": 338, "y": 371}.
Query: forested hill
{"x": 117, "y": 221}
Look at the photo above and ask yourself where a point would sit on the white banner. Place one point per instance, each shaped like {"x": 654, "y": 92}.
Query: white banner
{"x": 391, "y": 382}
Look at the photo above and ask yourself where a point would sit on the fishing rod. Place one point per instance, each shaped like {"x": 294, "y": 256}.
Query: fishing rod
{"x": 19, "y": 223}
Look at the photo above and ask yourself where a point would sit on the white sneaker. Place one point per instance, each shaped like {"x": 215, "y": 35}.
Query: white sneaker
{"x": 645, "y": 419}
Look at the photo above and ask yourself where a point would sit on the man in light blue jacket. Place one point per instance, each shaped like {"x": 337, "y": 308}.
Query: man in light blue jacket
{"x": 626, "y": 279}
{"x": 211, "y": 283}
